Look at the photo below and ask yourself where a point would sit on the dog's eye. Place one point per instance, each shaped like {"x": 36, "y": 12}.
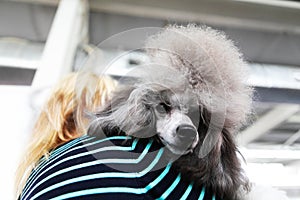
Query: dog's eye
{"x": 162, "y": 108}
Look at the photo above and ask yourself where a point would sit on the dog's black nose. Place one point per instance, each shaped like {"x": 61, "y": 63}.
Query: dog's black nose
{"x": 186, "y": 131}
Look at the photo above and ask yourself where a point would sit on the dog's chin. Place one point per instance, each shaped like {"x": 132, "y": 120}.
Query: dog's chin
{"x": 178, "y": 149}
{"x": 179, "y": 152}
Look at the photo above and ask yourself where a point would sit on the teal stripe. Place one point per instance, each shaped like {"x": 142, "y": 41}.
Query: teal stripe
{"x": 100, "y": 191}
{"x": 214, "y": 197}
{"x": 43, "y": 162}
{"x": 134, "y": 143}
{"x": 202, "y": 194}
{"x": 62, "y": 148}
{"x": 47, "y": 161}
{"x": 106, "y": 175}
{"x": 187, "y": 192}
{"x": 170, "y": 189}
{"x": 159, "y": 178}
{"x": 80, "y": 155}
{"x": 91, "y": 143}
{"x": 65, "y": 147}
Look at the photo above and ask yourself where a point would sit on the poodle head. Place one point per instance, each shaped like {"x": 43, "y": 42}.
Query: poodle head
{"x": 150, "y": 109}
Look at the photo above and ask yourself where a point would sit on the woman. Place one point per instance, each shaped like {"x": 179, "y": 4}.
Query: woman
{"x": 58, "y": 166}
{"x": 63, "y": 118}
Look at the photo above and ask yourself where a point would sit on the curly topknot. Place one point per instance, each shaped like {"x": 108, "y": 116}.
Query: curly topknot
{"x": 213, "y": 66}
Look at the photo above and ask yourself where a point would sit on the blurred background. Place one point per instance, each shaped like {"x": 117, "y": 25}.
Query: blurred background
{"x": 42, "y": 40}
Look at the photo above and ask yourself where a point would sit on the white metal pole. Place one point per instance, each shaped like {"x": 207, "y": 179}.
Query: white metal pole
{"x": 69, "y": 29}
{"x": 267, "y": 122}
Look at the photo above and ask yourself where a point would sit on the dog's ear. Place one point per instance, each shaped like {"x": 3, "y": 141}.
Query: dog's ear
{"x": 130, "y": 112}
{"x": 220, "y": 170}
{"x": 147, "y": 125}
{"x": 228, "y": 175}
{"x": 140, "y": 117}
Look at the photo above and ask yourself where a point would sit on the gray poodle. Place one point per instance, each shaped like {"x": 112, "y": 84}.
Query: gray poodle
{"x": 192, "y": 98}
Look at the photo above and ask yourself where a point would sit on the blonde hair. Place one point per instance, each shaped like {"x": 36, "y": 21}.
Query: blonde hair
{"x": 62, "y": 118}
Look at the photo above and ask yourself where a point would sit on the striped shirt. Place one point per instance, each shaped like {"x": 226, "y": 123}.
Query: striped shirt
{"x": 117, "y": 167}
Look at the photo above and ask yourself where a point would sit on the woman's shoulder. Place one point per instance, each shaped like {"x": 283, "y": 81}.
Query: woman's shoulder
{"x": 113, "y": 167}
